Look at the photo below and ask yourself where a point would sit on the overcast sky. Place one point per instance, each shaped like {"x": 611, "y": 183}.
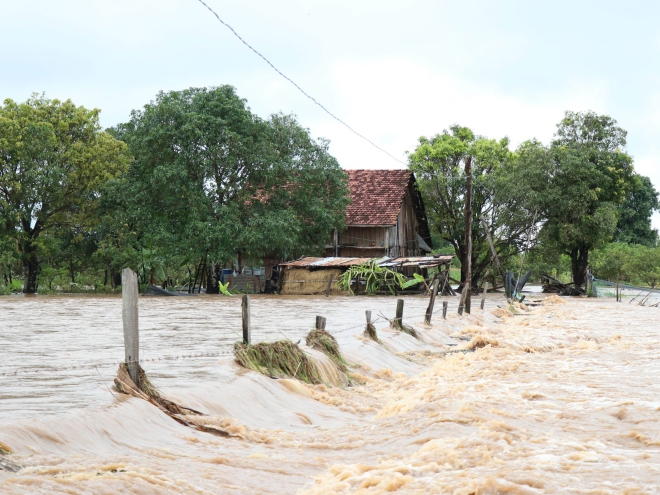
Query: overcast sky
{"x": 393, "y": 70}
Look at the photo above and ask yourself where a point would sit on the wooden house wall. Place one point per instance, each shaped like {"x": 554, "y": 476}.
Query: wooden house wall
{"x": 363, "y": 242}
{"x": 397, "y": 240}
{"x": 403, "y": 235}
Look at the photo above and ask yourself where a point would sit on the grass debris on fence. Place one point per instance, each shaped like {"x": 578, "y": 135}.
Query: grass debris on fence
{"x": 406, "y": 329}
{"x": 147, "y": 391}
{"x": 183, "y": 415}
{"x": 323, "y": 341}
{"x": 370, "y": 331}
{"x": 281, "y": 359}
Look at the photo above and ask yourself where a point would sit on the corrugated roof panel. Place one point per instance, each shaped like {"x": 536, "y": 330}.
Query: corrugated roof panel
{"x": 385, "y": 261}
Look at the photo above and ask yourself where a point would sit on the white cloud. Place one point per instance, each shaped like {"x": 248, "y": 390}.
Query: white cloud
{"x": 393, "y": 102}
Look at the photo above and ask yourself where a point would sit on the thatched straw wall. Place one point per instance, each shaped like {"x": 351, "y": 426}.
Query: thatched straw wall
{"x": 299, "y": 281}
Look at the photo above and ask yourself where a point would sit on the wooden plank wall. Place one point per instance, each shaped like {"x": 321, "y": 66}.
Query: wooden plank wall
{"x": 398, "y": 240}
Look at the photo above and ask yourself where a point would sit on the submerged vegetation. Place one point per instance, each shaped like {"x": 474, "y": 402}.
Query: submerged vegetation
{"x": 406, "y": 329}
{"x": 370, "y": 331}
{"x": 323, "y": 341}
{"x": 281, "y": 359}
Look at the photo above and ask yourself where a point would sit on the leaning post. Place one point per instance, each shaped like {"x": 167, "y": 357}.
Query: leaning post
{"x": 429, "y": 310}
{"x": 445, "y": 305}
{"x": 129, "y": 314}
{"x": 247, "y": 328}
{"x": 320, "y": 323}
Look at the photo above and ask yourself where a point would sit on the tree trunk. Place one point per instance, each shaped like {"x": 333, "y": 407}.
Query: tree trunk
{"x": 579, "y": 264}
{"x": 212, "y": 278}
{"x": 31, "y": 267}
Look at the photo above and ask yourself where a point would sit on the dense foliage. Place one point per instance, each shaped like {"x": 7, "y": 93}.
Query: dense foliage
{"x": 565, "y": 199}
{"x": 196, "y": 179}
{"x": 439, "y": 166}
{"x": 54, "y": 159}
{"x": 194, "y": 175}
{"x": 211, "y": 179}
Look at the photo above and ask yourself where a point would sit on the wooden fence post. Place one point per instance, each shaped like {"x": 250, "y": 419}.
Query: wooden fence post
{"x": 327, "y": 291}
{"x": 445, "y": 304}
{"x": 398, "y": 319}
{"x": 247, "y": 329}
{"x": 129, "y": 315}
{"x": 483, "y": 298}
{"x": 429, "y": 310}
{"x": 368, "y": 313}
{"x": 320, "y": 323}
{"x": 460, "y": 305}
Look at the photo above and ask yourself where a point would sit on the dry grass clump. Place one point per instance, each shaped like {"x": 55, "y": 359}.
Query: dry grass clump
{"x": 323, "y": 341}
{"x": 553, "y": 299}
{"x": 281, "y": 359}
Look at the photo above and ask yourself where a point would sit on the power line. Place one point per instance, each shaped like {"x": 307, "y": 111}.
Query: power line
{"x": 298, "y": 87}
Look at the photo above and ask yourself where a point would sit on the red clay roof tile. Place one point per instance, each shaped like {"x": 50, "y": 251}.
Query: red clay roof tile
{"x": 376, "y": 196}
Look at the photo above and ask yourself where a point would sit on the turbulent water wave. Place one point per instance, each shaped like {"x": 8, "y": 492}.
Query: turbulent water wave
{"x": 561, "y": 398}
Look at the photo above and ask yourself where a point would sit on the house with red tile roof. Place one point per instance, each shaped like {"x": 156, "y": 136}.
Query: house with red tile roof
{"x": 386, "y": 217}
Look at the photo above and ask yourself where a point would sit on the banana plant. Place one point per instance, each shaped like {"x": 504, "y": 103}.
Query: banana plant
{"x": 417, "y": 280}
{"x": 223, "y": 288}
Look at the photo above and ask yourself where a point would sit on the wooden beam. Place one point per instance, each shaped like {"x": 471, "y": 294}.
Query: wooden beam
{"x": 492, "y": 247}
{"x": 327, "y": 290}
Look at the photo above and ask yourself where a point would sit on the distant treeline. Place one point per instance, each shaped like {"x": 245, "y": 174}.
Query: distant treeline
{"x": 196, "y": 176}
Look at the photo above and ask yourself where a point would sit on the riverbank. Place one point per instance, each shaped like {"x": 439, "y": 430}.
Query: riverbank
{"x": 562, "y": 399}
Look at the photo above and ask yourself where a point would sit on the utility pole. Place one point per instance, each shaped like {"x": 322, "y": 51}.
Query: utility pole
{"x": 467, "y": 289}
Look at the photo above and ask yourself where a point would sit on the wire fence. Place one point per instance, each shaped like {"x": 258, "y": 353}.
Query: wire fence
{"x": 199, "y": 355}
{"x": 642, "y": 295}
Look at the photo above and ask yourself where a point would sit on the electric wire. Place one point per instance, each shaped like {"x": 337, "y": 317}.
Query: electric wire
{"x": 298, "y": 87}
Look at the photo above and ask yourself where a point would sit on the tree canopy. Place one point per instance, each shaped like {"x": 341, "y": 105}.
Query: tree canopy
{"x": 634, "y": 225}
{"x": 577, "y": 183}
{"x": 210, "y": 178}
{"x": 54, "y": 158}
{"x": 439, "y": 166}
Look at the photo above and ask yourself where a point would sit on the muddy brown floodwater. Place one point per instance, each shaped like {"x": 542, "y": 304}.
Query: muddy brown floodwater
{"x": 563, "y": 398}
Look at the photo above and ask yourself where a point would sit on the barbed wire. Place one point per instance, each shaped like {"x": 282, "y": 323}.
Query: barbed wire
{"x": 181, "y": 356}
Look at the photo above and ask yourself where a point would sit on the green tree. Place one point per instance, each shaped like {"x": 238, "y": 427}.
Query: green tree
{"x": 645, "y": 265}
{"x": 53, "y": 160}
{"x": 577, "y": 183}
{"x": 614, "y": 261}
{"x": 439, "y": 166}
{"x": 635, "y": 213}
{"x": 211, "y": 179}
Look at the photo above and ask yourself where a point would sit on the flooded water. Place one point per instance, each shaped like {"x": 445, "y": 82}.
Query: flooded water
{"x": 69, "y": 346}
{"x": 561, "y": 399}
